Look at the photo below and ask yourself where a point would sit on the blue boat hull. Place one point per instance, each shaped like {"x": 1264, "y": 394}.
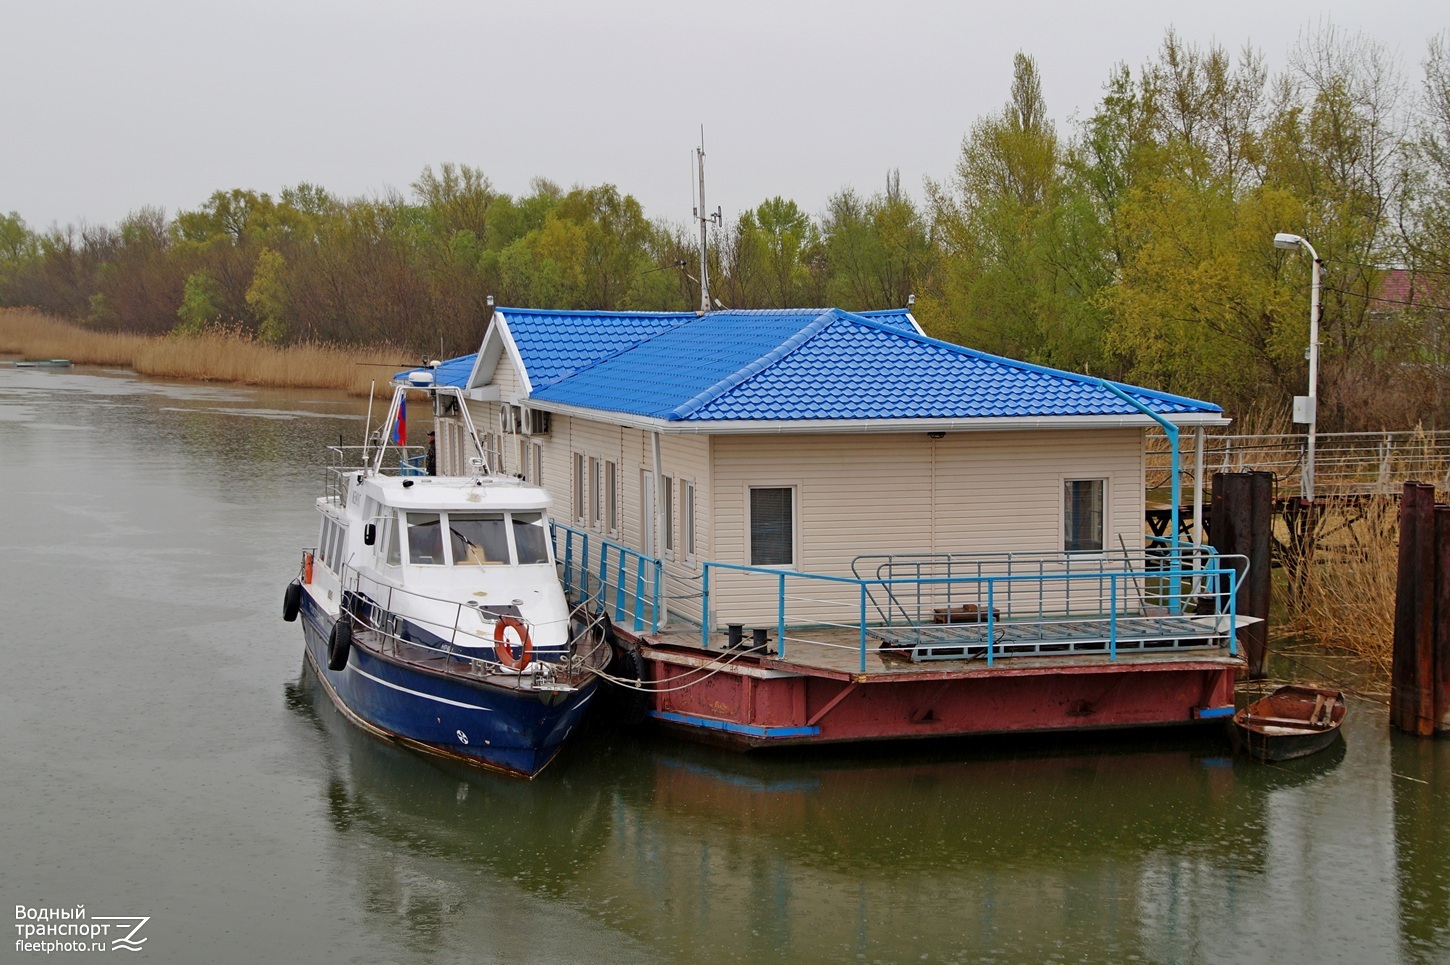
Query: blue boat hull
{"x": 500, "y": 728}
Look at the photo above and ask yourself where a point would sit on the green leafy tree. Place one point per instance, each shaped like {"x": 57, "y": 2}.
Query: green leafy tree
{"x": 200, "y": 301}
{"x": 267, "y": 296}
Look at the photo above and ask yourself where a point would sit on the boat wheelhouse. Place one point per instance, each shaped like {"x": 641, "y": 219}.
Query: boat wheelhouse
{"x": 433, "y": 612}
{"x": 818, "y": 525}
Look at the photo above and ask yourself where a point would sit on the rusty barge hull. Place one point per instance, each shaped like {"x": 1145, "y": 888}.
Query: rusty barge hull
{"x": 758, "y": 701}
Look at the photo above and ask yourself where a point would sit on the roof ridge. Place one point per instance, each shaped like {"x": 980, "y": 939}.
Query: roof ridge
{"x": 579, "y": 312}
{"x": 1092, "y": 380}
{"x": 822, "y": 321}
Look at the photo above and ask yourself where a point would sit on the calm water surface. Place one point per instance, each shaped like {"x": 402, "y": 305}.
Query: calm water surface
{"x": 162, "y": 754}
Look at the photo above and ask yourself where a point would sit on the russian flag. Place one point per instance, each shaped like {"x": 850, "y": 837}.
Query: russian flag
{"x": 400, "y": 427}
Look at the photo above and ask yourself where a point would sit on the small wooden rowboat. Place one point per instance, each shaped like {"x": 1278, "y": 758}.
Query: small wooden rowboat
{"x": 1291, "y": 722}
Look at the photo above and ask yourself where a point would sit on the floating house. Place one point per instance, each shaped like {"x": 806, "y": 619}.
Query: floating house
{"x": 817, "y": 525}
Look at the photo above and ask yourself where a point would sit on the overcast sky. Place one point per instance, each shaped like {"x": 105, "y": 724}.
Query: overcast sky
{"x": 106, "y": 107}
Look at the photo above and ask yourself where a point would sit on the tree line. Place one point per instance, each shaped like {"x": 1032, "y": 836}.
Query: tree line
{"x": 1136, "y": 244}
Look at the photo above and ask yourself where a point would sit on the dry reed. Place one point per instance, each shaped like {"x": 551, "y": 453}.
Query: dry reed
{"x": 1347, "y": 598}
{"x": 219, "y": 355}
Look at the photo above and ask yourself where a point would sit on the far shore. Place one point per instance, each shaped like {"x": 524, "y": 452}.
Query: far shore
{"x": 220, "y": 355}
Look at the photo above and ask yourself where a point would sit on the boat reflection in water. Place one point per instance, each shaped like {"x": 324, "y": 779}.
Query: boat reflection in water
{"x": 1113, "y": 848}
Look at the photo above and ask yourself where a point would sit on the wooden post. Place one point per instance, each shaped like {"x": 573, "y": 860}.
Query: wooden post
{"x": 1442, "y": 621}
{"x": 1412, "y": 676}
{"x": 1243, "y": 519}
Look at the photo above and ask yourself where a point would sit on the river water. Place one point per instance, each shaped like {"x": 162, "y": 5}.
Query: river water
{"x": 162, "y": 754}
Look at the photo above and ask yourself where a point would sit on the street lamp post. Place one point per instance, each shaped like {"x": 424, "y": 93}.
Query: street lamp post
{"x": 1307, "y": 409}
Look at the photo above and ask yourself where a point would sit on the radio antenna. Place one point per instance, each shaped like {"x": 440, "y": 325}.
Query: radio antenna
{"x": 715, "y": 217}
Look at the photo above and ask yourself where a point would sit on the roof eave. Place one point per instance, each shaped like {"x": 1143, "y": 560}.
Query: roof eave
{"x": 778, "y": 426}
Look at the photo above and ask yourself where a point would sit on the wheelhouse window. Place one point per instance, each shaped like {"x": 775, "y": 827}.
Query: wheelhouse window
{"x": 478, "y": 539}
{"x": 425, "y": 539}
{"x": 531, "y": 537}
{"x": 395, "y": 552}
{"x": 772, "y": 526}
{"x": 1084, "y": 515}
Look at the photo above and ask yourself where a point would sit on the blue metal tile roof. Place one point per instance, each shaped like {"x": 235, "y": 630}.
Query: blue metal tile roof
{"x": 455, "y": 372}
{"x": 786, "y": 365}
{"x": 555, "y": 345}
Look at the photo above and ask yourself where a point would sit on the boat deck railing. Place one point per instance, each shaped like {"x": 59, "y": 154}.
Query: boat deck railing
{"x": 601, "y": 574}
{"x": 434, "y": 643}
{"x": 991, "y": 606}
{"x": 350, "y": 460}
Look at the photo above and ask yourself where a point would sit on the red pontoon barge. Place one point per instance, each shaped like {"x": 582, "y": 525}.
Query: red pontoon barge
{"x": 926, "y": 646}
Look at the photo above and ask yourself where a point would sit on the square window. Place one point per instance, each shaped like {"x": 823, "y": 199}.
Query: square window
{"x": 1084, "y": 514}
{"x": 772, "y": 526}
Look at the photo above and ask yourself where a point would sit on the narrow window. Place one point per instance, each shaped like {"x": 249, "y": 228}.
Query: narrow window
{"x": 772, "y": 526}
{"x": 395, "y": 555}
{"x": 322, "y": 540}
{"x": 595, "y": 515}
{"x": 611, "y": 498}
{"x": 1083, "y": 515}
{"x": 579, "y": 487}
{"x": 339, "y": 545}
{"x": 538, "y": 477}
{"x": 669, "y": 514}
{"x": 690, "y": 520}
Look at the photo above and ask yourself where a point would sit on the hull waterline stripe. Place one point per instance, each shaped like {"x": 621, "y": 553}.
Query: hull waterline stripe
{"x": 418, "y": 693}
{"x": 751, "y": 730}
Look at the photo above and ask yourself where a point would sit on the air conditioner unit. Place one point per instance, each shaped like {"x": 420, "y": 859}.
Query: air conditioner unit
{"x": 535, "y": 422}
{"x": 508, "y": 419}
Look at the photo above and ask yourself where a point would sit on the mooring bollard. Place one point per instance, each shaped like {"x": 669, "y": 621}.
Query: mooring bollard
{"x": 1441, "y": 676}
{"x": 1243, "y": 520}
{"x": 1421, "y": 568}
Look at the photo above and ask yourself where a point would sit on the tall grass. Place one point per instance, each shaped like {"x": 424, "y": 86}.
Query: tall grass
{"x": 1347, "y": 599}
{"x": 219, "y": 355}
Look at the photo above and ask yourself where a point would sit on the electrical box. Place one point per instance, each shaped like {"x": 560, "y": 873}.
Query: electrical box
{"x": 1304, "y": 406}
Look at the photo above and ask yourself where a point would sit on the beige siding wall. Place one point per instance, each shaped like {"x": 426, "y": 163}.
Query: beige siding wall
{"x": 895, "y": 494}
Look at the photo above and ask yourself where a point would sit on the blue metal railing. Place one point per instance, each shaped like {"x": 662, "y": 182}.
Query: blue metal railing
{"x": 1015, "y": 603}
{"x": 623, "y": 582}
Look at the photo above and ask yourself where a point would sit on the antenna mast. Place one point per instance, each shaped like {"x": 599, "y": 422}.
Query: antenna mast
{"x": 705, "y": 220}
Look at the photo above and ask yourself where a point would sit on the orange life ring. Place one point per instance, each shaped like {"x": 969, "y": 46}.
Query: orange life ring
{"x": 306, "y": 567}
{"x": 503, "y": 651}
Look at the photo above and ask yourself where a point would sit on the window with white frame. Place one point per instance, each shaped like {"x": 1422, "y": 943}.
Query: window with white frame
{"x": 596, "y": 514}
{"x": 772, "y": 526}
{"x": 669, "y": 514}
{"x": 611, "y": 497}
{"x": 580, "y": 502}
{"x": 537, "y": 467}
{"x": 689, "y": 520}
{"x": 1084, "y": 514}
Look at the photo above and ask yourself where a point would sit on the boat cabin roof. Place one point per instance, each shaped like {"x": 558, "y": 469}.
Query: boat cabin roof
{"x": 454, "y": 493}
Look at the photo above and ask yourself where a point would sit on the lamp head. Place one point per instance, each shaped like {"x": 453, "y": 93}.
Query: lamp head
{"x": 1285, "y": 240}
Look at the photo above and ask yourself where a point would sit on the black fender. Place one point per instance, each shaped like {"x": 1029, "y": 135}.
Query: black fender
{"x": 291, "y": 601}
{"x": 339, "y": 643}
